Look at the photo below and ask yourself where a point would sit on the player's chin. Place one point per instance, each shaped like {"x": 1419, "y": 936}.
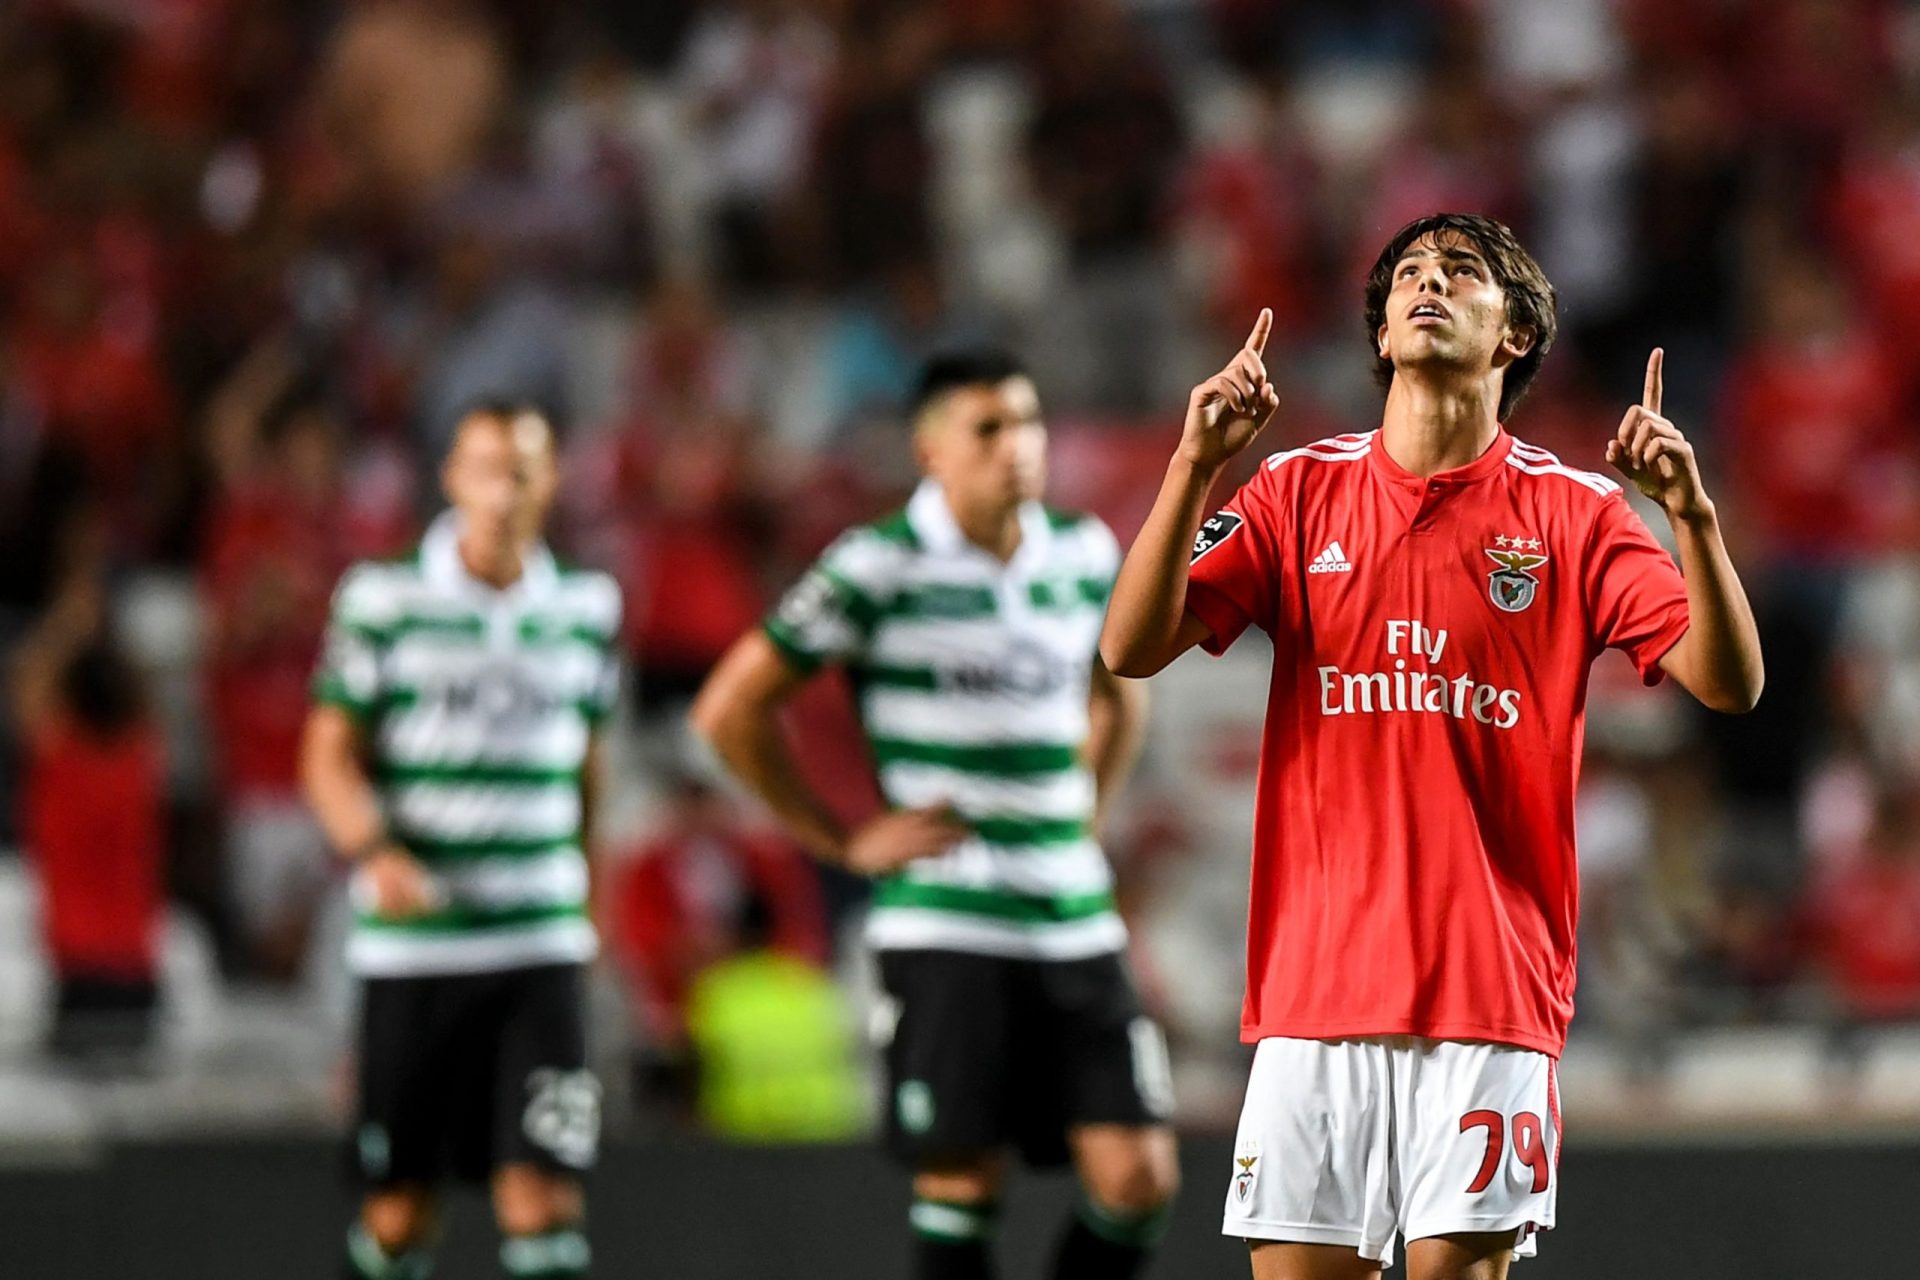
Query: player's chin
{"x": 1026, "y": 486}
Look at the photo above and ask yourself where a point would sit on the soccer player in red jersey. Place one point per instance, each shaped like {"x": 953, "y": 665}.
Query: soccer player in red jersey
{"x": 1435, "y": 591}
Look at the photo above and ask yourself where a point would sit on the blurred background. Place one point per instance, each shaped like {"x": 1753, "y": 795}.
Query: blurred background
{"x": 256, "y": 254}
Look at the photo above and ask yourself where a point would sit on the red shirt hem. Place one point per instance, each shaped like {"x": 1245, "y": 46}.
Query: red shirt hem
{"x": 1515, "y": 1037}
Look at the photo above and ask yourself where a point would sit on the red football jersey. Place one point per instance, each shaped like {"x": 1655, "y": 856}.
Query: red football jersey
{"x": 1413, "y": 850}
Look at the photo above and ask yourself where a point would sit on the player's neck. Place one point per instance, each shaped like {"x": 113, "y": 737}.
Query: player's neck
{"x": 498, "y": 564}
{"x": 995, "y": 530}
{"x": 1429, "y": 428}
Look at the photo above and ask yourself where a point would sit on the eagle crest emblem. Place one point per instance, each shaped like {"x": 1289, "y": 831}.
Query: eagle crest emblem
{"x": 1512, "y": 585}
{"x": 1243, "y": 1181}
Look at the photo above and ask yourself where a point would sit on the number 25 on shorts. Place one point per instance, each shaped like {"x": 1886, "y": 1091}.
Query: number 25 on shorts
{"x": 1528, "y": 1144}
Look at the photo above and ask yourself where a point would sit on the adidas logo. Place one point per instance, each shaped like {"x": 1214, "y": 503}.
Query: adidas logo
{"x": 1332, "y": 560}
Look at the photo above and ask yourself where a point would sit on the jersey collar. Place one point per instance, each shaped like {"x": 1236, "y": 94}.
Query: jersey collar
{"x": 440, "y": 563}
{"x": 1480, "y": 468}
{"x": 932, "y": 520}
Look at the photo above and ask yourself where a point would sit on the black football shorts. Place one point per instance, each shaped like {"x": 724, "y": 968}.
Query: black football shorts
{"x": 987, "y": 1052}
{"x": 462, "y": 1073}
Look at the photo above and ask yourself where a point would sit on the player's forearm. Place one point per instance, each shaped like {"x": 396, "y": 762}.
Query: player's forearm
{"x": 1150, "y": 595}
{"x": 338, "y": 791}
{"x": 747, "y": 739}
{"x": 1721, "y": 663}
{"x": 1118, "y": 719}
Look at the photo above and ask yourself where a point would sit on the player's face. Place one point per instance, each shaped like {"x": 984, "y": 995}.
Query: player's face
{"x": 500, "y": 476}
{"x": 1446, "y": 311}
{"x": 986, "y": 444}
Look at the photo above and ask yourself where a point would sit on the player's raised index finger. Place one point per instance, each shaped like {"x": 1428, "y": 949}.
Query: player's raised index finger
{"x": 1651, "y": 399}
{"x": 1257, "y": 340}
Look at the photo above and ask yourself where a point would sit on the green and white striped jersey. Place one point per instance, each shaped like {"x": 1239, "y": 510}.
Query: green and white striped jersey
{"x": 973, "y": 679}
{"x": 477, "y": 704}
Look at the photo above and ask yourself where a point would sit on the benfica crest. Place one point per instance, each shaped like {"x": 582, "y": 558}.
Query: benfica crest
{"x": 1511, "y": 586}
{"x": 1243, "y": 1181}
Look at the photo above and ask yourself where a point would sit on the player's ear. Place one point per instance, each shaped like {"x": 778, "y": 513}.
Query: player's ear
{"x": 923, "y": 446}
{"x": 1519, "y": 340}
{"x": 1380, "y": 342}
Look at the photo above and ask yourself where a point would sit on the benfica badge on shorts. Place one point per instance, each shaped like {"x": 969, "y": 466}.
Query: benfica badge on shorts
{"x": 1511, "y": 587}
{"x": 1246, "y": 1162}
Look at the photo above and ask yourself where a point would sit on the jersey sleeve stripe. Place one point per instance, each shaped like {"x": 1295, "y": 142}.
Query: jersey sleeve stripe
{"x": 1312, "y": 452}
{"x": 1598, "y": 483}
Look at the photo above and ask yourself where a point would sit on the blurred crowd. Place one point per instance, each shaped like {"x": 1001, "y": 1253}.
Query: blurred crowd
{"x": 255, "y": 256}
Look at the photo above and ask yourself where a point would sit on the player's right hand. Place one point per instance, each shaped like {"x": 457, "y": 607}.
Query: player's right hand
{"x": 399, "y": 886}
{"x": 892, "y": 840}
{"x": 1228, "y": 410}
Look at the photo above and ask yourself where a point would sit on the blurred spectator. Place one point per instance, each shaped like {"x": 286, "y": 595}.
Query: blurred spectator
{"x": 1685, "y": 188}
{"x": 1816, "y": 432}
{"x": 1103, "y": 150}
{"x": 405, "y": 137}
{"x": 1862, "y": 916}
{"x": 872, "y": 160}
{"x": 1244, "y": 216}
{"x": 1873, "y": 213}
{"x": 100, "y": 396}
{"x": 752, "y": 77}
{"x": 667, "y": 498}
{"x": 678, "y": 906}
{"x": 284, "y": 527}
{"x": 1818, "y": 449}
{"x": 93, "y": 822}
{"x": 774, "y": 1041}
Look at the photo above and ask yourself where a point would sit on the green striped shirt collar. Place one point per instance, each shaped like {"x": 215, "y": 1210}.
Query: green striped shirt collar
{"x": 441, "y": 565}
{"x": 931, "y": 516}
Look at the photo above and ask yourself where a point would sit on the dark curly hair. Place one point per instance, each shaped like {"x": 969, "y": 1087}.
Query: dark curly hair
{"x": 1530, "y": 296}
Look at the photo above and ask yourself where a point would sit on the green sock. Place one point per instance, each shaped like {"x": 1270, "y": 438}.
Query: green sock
{"x": 1101, "y": 1244}
{"x": 951, "y": 1240}
{"x": 562, "y": 1254}
{"x": 366, "y": 1260}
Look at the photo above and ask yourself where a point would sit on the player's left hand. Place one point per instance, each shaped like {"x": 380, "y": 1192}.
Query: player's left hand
{"x": 1650, "y": 451}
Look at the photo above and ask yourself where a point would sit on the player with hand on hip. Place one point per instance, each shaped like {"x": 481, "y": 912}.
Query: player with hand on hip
{"x": 968, "y": 624}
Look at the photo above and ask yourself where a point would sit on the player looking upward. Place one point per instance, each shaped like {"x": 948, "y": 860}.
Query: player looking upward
{"x": 451, "y": 755}
{"x": 968, "y": 623}
{"x": 1436, "y": 591}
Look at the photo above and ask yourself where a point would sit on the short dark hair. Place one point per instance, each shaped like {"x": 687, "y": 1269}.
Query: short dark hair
{"x": 1530, "y": 295}
{"x": 972, "y": 367}
{"x": 504, "y": 409}
{"x": 503, "y": 412}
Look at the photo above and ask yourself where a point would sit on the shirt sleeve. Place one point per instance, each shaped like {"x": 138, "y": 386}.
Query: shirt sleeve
{"x": 828, "y": 616}
{"x": 1636, "y": 596}
{"x": 351, "y": 658}
{"x": 603, "y": 698}
{"x": 1233, "y": 575}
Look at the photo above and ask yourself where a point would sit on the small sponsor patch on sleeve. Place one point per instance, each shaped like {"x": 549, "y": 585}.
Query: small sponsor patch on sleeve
{"x": 815, "y": 598}
{"x": 1216, "y": 529}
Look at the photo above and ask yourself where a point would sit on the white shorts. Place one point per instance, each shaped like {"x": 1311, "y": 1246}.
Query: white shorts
{"x": 1352, "y": 1142}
